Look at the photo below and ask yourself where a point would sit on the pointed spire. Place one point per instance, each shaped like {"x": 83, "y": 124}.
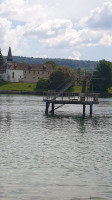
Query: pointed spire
{"x": 9, "y": 57}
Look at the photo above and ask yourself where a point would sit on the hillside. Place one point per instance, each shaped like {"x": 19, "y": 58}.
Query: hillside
{"x": 86, "y": 65}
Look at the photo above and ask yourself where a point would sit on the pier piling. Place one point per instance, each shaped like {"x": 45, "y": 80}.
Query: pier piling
{"x": 91, "y": 109}
{"x": 84, "y": 108}
{"x": 52, "y": 108}
{"x": 47, "y": 108}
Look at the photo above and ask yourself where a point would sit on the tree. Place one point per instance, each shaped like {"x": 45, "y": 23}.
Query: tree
{"x": 41, "y": 84}
{"x": 60, "y": 76}
{"x": 1, "y": 59}
{"x": 52, "y": 63}
{"x": 102, "y": 76}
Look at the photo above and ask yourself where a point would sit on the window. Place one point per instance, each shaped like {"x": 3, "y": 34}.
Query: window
{"x": 12, "y": 74}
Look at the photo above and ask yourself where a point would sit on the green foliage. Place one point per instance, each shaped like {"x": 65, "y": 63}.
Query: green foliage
{"x": 59, "y": 77}
{"x": 52, "y": 63}
{"x": 110, "y": 90}
{"x": 102, "y": 77}
{"x": 76, "y": 89}
{"x": 80, "y": 71}
{"x": 41, "y": 84}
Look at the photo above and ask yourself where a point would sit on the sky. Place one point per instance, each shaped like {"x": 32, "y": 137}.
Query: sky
{"x": 73, "y": 29}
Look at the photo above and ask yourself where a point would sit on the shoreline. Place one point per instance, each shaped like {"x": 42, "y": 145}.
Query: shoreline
{"x": 20, "y": 92}
{"x": 103, "y": 95}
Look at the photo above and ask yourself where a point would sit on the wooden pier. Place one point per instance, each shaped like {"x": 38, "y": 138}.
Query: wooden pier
{"x": 52, "y": 97}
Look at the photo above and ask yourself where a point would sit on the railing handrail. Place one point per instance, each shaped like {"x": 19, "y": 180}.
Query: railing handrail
{"x": 52, "y": 95}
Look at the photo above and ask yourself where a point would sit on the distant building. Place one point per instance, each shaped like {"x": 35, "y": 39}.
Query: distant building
{"x": 23, "y": 72}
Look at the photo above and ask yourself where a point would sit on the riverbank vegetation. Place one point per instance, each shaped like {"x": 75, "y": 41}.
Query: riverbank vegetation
{"x": 6, "y": 86}
{"x": 102, "y": 76}
{"x": 100, "y": 82}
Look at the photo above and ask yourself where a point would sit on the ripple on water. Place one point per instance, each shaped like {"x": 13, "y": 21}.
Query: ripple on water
{"x": 67, "y": 156}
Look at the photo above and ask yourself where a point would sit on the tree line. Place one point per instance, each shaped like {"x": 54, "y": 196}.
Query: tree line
{"x": 100, "y": 81}
{"x": 85, "y": 65}
{"x": 102, "y": 77}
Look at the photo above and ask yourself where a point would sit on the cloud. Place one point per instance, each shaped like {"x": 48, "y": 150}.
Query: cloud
{"x": 100, "y": 18}
{"x": 52, "y": 33}
{"x": 23, "y": 10}
{"x": 49, "y": 29}
{"x": 41, "y": 56}
{"x": 43, "y": 10}
{"x": 46, "y": 23}
{"x": 5, "y": 27}
{"x": 76, "y": 55}
{"x": 10, "y": 36}
{"x": 60, "y": 34}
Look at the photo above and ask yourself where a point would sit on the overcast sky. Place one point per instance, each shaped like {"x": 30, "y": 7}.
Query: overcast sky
{"x": 76, "y": 29}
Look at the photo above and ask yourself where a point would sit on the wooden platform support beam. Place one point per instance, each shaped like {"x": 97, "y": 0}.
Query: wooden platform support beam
{"x": 52, "y": 108}
{"x": 91, "y": 109}
{"x": 47, "y": 108}
{"x": 84, "y": 108}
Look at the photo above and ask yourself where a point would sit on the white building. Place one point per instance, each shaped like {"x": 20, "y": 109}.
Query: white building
{"x": 23, "y": 72}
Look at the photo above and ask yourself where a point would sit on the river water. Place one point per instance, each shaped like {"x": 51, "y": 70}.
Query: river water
{"x": 64, "y": 157}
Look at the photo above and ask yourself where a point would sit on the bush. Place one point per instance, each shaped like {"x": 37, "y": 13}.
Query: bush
{"x": 42, "y": 84}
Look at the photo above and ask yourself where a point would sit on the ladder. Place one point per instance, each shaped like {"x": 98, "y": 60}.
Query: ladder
{"x": 67, "y": 86}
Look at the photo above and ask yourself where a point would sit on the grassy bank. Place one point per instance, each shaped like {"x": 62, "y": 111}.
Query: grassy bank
{"x": 30, "y": 87}
{"x": 75, "y": 89}
{"x": 17, "y": 86}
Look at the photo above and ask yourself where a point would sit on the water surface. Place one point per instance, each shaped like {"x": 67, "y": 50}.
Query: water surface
{"x": 65, "y": 157}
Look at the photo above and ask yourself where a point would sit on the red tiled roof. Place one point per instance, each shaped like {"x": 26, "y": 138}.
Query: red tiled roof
{"x": 32, "y": 67}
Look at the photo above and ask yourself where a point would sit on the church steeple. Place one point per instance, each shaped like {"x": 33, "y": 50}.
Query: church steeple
{"x": 9, "y": 56}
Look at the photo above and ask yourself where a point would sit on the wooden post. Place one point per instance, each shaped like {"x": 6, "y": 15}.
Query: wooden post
{"x": 91, "y": 106}
{"x": 52, "y": 108}
{"x": 47, "y": 108}
{"x": 84, "y": 109}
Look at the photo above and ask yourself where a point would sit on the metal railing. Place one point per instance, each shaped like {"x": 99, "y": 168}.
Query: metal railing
{"x": 81, "y": 97}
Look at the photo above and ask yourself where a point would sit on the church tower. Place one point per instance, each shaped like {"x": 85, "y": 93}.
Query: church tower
{"x": 9, "y": 56}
